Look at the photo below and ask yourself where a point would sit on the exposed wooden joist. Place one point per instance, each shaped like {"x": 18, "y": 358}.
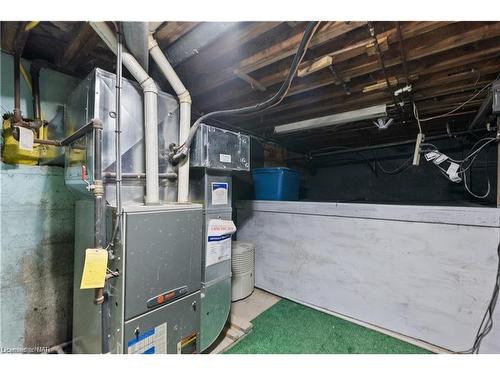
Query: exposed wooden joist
{"x": 80, "y": 37}
{"x": 444, "y": 61}
{"x": 67, "y": 27}
{"x": 9, "y": 32}
{"x": 409, "y": 126}
{"x": 273, "y": 54}
{"x": 314, "y": 66}
{"x": 437, "y": 67}
{"x": 84, "y": 52}
{"x": 402, "y": 52}
{"x": 323, "y": 109}
{"x": 382, "y": 83}
{"x": 359, "y": 100}
{"x": 344, "y": 54}
{"x": 347, "y": 131}
{"x": 171, "y": 31}
{"x": 251, "y": 81}
{"x": 488, "y": 31}
{"x": 228, "y": 47}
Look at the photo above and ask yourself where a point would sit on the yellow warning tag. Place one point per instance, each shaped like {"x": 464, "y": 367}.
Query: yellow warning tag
{"x": 94, "y": 269}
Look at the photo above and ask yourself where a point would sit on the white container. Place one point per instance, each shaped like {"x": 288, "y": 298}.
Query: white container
{"x": 243, "y": 269}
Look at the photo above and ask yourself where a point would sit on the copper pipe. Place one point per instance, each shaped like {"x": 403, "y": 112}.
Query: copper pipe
{"x": 17, "y": 87}
{"x": 98, "y": 296}
{"x": 21, "y": 38}
{"x": 35, "y": 67}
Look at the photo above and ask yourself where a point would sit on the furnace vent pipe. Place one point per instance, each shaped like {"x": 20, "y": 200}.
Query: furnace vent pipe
{"x": 185, "y": 114}
{"x": 150, "y": 110}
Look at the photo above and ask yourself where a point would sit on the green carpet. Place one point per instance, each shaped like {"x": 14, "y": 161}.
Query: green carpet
{"x": 290, "y": 328}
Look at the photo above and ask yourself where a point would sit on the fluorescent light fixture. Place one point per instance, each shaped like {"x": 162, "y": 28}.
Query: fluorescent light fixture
{"x": 337, "y": 119}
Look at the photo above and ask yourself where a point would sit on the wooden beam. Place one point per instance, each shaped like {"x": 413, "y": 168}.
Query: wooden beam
{"x": 87, "y": 51}
{"x": 329, "y": 107}
{"x": 277, "y": 52}
{"x": 81, "y": 36}
{"x": 287, "y": 48}
{"x": 446, "y": 44}
{"x": 314, "y": 66}
{"x": 458, "y": 40}
{"x": 229, "y": 47}
{"x": 435, "y": 77}
{"x": 9, "y": 32}
{"x": 441, "y": 87}
{"x": 454, "y": 93}
{"x": 67, "y": 27}
{"x": 381, "y": 84}
{"x": 402, "y": 52}
{"x": 253, "y": 82}
{"x": 171, "y": 31}
{"x": 409, "y": 30}
{"x": 371, "y": 48}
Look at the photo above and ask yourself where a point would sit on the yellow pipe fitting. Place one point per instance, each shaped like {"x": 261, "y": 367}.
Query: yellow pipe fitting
{"x": 26, "y": 77}
{"x": 31, "y": 25}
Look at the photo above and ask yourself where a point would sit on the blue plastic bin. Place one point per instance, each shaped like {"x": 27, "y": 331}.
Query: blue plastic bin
{"x": 276, "y": 184}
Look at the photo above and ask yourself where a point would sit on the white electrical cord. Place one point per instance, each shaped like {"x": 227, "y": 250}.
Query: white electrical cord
{"x": 473, "y": 194}
{"x": 472, "y": 154}
{"x": 470, "y": 158}
{"x": 475, "y": 153}
{"x": 415, "y": 113}
{"x": 453, "y": 110}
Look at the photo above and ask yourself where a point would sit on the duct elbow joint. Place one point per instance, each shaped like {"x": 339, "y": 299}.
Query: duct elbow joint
{"x": 185, "y": 97}
{"x": 152, "y": 43}
{"x": 149, "y": 85}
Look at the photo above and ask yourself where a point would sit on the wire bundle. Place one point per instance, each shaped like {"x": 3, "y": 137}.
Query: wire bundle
{"x": 465, "y": 165}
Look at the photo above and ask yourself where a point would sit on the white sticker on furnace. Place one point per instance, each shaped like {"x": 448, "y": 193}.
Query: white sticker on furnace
{"x": 225, "y": 158}
{"x": 219, "y": 241}
{"x": 219, "y": 193}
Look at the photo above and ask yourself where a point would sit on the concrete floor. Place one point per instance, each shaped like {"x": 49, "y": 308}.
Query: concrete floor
{"x": 242, "y": 313}
{"x": 254, "y": 305}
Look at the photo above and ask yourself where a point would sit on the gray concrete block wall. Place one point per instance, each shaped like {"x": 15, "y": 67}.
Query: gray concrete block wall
{"x": 36, "y": 229}
{"x": 36, "y": 257}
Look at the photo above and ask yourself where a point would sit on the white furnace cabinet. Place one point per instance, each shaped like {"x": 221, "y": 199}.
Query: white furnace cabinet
{"x": 422, "y": 271}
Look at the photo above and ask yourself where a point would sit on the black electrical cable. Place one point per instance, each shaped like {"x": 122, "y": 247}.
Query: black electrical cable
{"x": 182, "y": 150}
{"x": 359, "y": 153}
{"x": 335, "y": 162}
{"x": 403, "y": 167}
{"x": 469, "y": 168}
